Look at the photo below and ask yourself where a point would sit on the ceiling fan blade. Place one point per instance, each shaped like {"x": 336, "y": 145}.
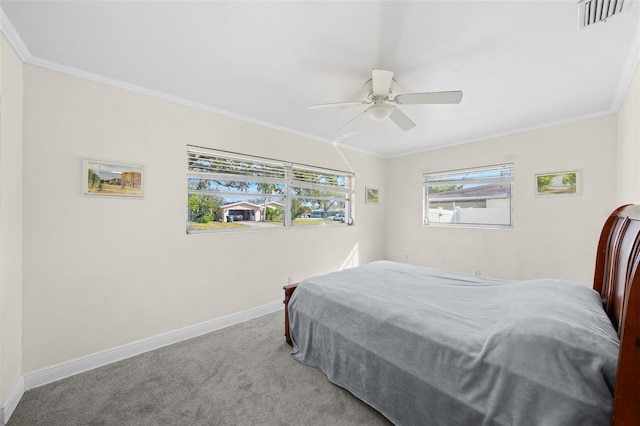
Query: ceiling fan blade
{"x": 401, "y": 120}
{"x": 381, "y": 82}
{"x": 352, "y": 120}
{"x": 453, "y": 97}
{"x": 337, "y": 104}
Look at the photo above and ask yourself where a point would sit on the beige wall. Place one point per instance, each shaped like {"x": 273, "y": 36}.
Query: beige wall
{"x": 99, "y": 273}
{"x": 551, "y": 237}
{"x": 629, "y": 144}
{"x": 10, "y": 219}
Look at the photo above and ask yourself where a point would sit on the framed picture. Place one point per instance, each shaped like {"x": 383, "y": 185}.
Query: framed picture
{"x": 110, "y": 179}
{"x": 372, "y": 196}
{"x": 558, "y": 183}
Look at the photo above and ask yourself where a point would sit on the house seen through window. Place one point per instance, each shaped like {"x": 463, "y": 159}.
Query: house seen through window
{"x": 479, "y": 196}
{"x": 233, "y": 191}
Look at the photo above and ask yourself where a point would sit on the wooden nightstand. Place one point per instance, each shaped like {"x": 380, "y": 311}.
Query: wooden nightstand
{"x": 288, "y": 291}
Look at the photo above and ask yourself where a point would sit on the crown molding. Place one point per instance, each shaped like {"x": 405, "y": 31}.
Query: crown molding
{"x": 518, "y": 131}
{"x": 10, "y": 32}
{"x": 19, "y": 46}
{"x": 54, "y": 66}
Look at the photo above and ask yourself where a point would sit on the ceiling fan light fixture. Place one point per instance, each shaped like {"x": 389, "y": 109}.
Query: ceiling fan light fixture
{"x": 379, "y": 112}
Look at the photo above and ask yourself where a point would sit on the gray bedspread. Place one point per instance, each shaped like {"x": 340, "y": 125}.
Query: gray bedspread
{"x": 429, "y": 347}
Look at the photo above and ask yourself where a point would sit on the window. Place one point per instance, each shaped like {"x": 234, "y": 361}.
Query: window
{"x": 474, "y": 197}
{"x": 319, "y": 194}
{"x": 234, "y": 191}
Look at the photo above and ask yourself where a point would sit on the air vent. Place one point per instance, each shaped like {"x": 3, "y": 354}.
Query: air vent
{"x": 593, "y": 11}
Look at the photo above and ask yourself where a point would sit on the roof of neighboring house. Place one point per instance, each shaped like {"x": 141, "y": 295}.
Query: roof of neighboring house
{"x": 494, "y": 190}
{"x": 241, "y": 204}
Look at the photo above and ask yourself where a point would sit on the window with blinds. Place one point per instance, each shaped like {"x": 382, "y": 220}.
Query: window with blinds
{"x": 480, "y": 196}
{"x": 234, "y": 191}
{"x": 319, "y": 194}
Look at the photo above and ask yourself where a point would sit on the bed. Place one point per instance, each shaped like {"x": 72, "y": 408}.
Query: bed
{"x": 425, "y": 346}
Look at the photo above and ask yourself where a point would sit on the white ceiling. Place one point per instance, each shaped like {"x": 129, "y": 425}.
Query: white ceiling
{"x": 520, "y": 64}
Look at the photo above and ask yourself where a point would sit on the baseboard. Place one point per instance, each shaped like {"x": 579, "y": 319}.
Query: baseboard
{"x": 56, "y": 372}
{"x": 10, "y": 404}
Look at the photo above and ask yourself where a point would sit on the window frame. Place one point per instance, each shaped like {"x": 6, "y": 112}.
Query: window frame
{"x": 466, "y": 177}
{"x": 254, "y": 170}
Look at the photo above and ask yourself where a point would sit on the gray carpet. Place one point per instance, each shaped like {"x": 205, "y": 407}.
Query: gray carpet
{"x": 241, "y": 375}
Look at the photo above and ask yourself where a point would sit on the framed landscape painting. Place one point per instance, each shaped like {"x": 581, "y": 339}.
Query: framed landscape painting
{"x": 558, "y": 183}
{"x": 372, "y": 196}
{"x": 111, "y": 179}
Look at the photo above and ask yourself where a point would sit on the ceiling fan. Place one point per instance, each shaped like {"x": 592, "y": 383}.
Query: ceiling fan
{"x": 383, "y": 101}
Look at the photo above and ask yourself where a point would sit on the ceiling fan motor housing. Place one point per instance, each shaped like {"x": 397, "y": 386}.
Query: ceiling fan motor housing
{"x": 368, "y": 90}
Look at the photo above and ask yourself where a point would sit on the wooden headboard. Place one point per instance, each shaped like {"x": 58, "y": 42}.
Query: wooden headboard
{"x": 616, "y": 278}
